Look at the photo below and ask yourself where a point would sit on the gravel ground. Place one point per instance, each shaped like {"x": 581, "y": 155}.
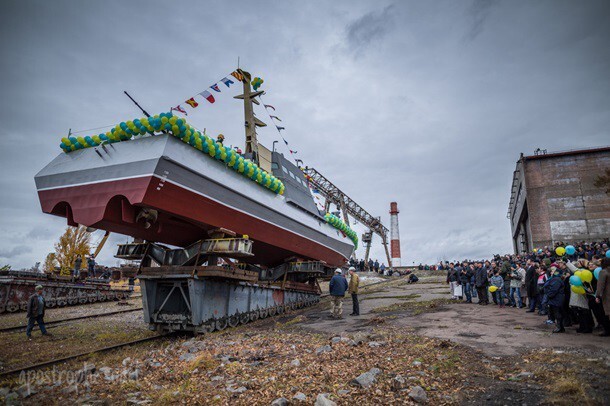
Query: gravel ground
{"x": 411, "y": 343}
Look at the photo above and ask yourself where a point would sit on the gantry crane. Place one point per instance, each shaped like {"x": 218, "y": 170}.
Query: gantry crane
{"x": 334, "y": 195}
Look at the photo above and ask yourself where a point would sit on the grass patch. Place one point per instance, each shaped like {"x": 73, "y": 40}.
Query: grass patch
{"x": 204, "y": 361}
{"x": 400, "y": 297}
{"x": 296, "y": 320}
{"x": 569, "y": 390}
{"x": 414, "y": 307}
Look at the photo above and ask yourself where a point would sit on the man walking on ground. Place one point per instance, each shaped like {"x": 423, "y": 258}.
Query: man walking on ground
{"x": 354, "y": 282}
{"x": 337, "y": 288}
{"x": 35, "y": 313}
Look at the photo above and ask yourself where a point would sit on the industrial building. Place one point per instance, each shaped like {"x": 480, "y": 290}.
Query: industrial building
{"x": 553, "y": 198}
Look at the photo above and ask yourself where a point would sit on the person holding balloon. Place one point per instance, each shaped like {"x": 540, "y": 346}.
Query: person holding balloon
{"x": 497, "y": 288}
{"x": 602, "y": 293}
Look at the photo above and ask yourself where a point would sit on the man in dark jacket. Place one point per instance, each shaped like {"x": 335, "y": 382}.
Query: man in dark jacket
{"x": 531, "y": 286}
{"x": 554, "y": 290}
{"x": 35, "y": 313}
{"x": 338, "y": 286}
{"x": 465, "y": 276}
{"x": 481, "y": 284}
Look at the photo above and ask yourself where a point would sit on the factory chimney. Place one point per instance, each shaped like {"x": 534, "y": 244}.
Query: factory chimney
{"x": 394, "y": 235}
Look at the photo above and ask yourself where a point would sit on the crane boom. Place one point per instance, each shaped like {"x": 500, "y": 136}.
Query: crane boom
{"x": 335, "y": 196}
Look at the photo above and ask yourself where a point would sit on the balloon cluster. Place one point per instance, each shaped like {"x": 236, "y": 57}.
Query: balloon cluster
{"x": 581, "y": 278}
{"x": 179, "y": 128}
{"x": 341, "y": 226}
{"x": 256, "y": 83}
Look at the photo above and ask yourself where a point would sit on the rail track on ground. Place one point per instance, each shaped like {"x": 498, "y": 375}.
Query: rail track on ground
{"x": 44, "y": 364}
{"x": 56, "y": 323}
{"x": 55, "y": 361}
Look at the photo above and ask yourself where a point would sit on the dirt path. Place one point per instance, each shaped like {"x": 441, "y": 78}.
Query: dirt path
{"x": 413, "y": 334}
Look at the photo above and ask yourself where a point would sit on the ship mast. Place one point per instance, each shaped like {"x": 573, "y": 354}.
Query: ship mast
{"x": 251, "y": 122}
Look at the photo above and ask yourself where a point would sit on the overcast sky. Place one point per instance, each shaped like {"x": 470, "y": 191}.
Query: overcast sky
{"x": 427, "y": 103}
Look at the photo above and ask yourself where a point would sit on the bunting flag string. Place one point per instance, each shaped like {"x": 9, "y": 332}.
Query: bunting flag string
{"x": 178, "y": 109}
{"x": 206, "y": 93}
{"x": 191, "y": 102}
{"x": 228, "y": 82}
{"x": 279, "y": 129}
{"x": 208, "y": 96}
{"x": 237, "y": 76}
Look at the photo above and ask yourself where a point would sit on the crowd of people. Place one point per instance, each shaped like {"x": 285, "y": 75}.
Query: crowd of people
{"x": 540, "y": 282}
{"x": 370, "y": 266}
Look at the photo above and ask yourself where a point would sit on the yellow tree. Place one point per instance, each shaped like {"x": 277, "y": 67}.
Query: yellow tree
{"x": 49, "y": 263}
{"x": 75, "y": 241}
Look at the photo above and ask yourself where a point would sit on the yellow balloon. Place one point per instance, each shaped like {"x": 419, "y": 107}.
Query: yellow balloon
{"x": 492, "y": 288}
{"x": 586, "y": 275}
{"x": 577, "y": 273}
{"x": 578, "y": 289}
{"x": 560, "y": 251}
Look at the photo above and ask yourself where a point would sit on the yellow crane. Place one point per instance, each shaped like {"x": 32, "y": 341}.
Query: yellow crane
{"x": 101, "y": 244}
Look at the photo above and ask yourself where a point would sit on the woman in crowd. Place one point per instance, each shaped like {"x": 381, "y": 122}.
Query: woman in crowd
{"x": 602, "y": 295}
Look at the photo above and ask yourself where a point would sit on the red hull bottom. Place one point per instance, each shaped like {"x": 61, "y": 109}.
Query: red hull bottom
{"x": 184, "y": 217}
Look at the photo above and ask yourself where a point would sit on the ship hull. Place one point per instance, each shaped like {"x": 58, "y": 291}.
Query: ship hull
{"x": 192, "y": 194}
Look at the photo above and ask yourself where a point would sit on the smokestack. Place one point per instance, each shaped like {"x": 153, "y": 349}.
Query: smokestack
{"x": 394, "y": 235}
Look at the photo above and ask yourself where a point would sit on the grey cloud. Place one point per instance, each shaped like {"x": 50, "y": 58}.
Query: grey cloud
{"x": 422, "y": 116}
{"x": 478, "y": 12}
{"x": 369, "y": 28}
{"x": 15, "y": 251}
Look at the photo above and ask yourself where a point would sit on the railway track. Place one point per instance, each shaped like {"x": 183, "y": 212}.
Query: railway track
{"x": 55, "y": 323}
{"x": 44, "y": 364}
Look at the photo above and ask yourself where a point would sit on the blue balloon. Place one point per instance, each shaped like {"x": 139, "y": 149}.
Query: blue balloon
{"x": 608, "y": 254}
{"x": 570, "y": 250}
{"x": 575, "y": 281}
{"x": 596, "y": 272}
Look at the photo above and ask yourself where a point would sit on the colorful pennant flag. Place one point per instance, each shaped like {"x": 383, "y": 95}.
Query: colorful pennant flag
{"x": 280, "y": 128}
{"x": 208, "y": 96}
{"x": 268, "y": 106}
{"x": 179, "y": 109}
{"x": 215, "y": 87}
{"x": 275, "y": 117}
{"x": 293, "y": 152}
{"x": 191, "y": 102}
{"x": 285, "y": 142}
{"x": 238, "y": 76}
{"x": 228, "y": 82}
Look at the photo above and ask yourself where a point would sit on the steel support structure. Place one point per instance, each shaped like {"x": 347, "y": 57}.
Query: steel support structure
{"x": 334, "y": 195}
